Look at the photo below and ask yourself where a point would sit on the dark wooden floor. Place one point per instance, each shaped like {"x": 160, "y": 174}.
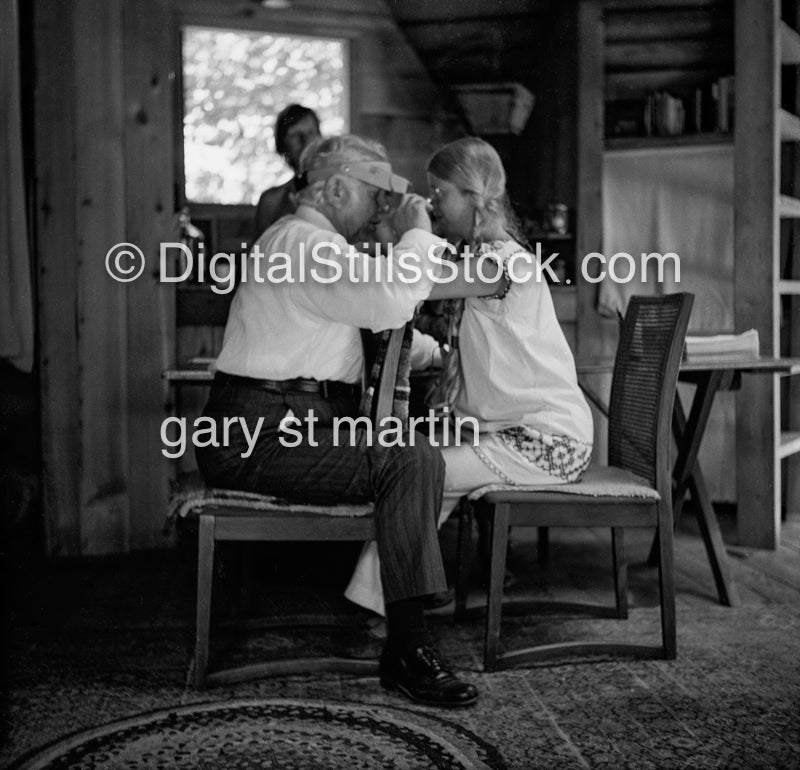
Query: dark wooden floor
{"x": 310, "y": 577}
{"x": 90, "y": 640}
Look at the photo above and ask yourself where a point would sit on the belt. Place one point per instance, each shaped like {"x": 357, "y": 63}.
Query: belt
{"x": 325, "y": 388}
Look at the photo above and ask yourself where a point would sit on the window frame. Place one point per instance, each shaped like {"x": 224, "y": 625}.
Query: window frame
{"x": 259, "y": 20}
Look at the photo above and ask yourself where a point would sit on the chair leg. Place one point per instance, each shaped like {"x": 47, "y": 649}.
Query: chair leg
{"x": 246, "y": 554}
{"x": 543, "y": 545}
{"x": 464, "y": 557}
{"x": 497, "y": 568}
{"x": 205, "y": 578}
{"x": 620, "y": 571}
{"x": 666, "y": 580}
{"x": 482, "y": 515}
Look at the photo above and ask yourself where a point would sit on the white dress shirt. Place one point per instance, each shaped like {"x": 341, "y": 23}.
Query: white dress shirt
{"x": 309, "y": 326}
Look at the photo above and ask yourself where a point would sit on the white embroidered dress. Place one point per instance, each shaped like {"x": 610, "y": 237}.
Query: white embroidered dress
{"x": 519, "y": 380}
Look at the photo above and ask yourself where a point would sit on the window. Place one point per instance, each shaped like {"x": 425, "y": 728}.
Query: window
{"x": 235, "y": 83}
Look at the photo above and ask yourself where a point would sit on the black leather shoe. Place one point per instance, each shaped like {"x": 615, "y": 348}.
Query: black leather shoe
{"x": 424, "y": 677}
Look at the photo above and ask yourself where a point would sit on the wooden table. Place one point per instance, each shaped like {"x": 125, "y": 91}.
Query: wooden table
{"x": 710, "y": 377}
{"x": 195, "y": 371}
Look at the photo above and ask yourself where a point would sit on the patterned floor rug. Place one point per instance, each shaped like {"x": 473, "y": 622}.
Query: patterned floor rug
{"x": 275, "y": 733}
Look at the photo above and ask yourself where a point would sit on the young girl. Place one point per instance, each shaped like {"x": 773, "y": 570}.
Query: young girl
{"x": 510, "y": 367}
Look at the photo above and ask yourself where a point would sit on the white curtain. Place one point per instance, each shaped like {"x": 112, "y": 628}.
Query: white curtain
{"x": 679, "y": 199}
{"x": 676, "y": 199}
{"x": 16, "y": 303}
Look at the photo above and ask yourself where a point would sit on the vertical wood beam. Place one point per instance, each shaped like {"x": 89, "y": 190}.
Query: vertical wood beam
{"x": 756, "y": 244}
{"x": 99, "y": 211}
{"x": 791, "y": 469}
{"x": 57, "y": 286}
{"x": 148, "y": 61}
{"x": 589, "y": 227}
{"x": 595, "y": 336}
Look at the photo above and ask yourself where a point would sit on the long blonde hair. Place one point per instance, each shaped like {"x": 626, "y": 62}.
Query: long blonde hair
{"x": 473, "y": 165}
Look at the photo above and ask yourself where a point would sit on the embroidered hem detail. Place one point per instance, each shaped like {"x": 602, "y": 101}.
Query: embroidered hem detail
{"x": 559, "y": 456}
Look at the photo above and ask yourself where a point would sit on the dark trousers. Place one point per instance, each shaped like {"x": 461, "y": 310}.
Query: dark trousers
{"x": 405, "y": 482}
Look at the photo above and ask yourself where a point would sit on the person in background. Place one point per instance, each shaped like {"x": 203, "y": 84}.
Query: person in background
{"x": 295, "y": 128}
{"x": 509, "y": 366}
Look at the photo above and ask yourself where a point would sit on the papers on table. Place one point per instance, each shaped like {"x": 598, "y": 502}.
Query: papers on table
{"x": 742, "y": 346}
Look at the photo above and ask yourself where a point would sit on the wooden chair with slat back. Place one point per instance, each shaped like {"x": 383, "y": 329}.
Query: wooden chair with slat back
{"x": 262, "y": 518}
{"x": 642, "y": 394}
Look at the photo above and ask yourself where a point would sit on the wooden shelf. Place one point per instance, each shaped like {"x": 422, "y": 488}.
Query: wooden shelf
{"x": 789, "y": 44}
{"x": 683, "y": 140}
{"x": 789, "y": 126}
{"x": 790, "y": 443}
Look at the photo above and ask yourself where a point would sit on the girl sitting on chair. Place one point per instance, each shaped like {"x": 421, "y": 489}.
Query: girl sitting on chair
{"x": 508, "y": 366}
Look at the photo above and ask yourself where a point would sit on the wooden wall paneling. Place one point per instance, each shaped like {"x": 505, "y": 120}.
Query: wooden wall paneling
{"x": 478, "y": 66}
{"x": 99, "y": 210}
{"x": 176, "y": 51}
{"x": 668, "y": 54}
{"x": 309, "y": 17}
{"x": 148, "y": 106}
{"x": 191, "y": 341}
{"x": 756, "y": 159}
{"x": 425, "y": 11}
{"x": 354, "y": 76}
{"x": 487, "y": 35}
{"x": 398, "y": 103}
{"x": 639, "y": 5}
{"x": 397, "y": 95}
{"x": 57, "y": 286}
{"x": 628, "y": 85}
{"x": 670, "y": 24}
{"x": 675, "y": 49}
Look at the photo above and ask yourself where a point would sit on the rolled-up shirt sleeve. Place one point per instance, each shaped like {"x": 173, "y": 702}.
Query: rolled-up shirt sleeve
{"x": 344, "y": 285}
{"x": 425, "y": 352}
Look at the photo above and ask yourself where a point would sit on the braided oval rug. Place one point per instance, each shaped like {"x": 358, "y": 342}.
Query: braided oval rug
{"x": 274, "y": 733}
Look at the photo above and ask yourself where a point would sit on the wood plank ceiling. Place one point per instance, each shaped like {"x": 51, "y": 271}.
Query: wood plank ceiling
{"x": 650, "y": 43}
{"x": 469, "y": 41}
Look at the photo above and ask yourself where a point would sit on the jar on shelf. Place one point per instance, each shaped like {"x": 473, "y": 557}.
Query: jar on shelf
{"x": 556, "y": 218}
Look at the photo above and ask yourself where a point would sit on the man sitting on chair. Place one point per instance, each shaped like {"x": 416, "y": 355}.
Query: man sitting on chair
{"x": 291, "y": 347}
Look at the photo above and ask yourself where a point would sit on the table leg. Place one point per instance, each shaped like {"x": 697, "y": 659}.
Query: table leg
{"x": 712, "y": 537}
{"x": 689, "y": 434}
{"x": 688, "y": 476}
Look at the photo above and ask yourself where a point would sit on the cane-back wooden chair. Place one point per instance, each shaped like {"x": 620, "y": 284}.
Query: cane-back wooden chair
{"x": 633, "y": 490}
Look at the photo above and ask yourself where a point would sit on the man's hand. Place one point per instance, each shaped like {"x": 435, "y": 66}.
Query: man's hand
{"x": 375, "y": 238}
{"x": 412, "y": 212}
